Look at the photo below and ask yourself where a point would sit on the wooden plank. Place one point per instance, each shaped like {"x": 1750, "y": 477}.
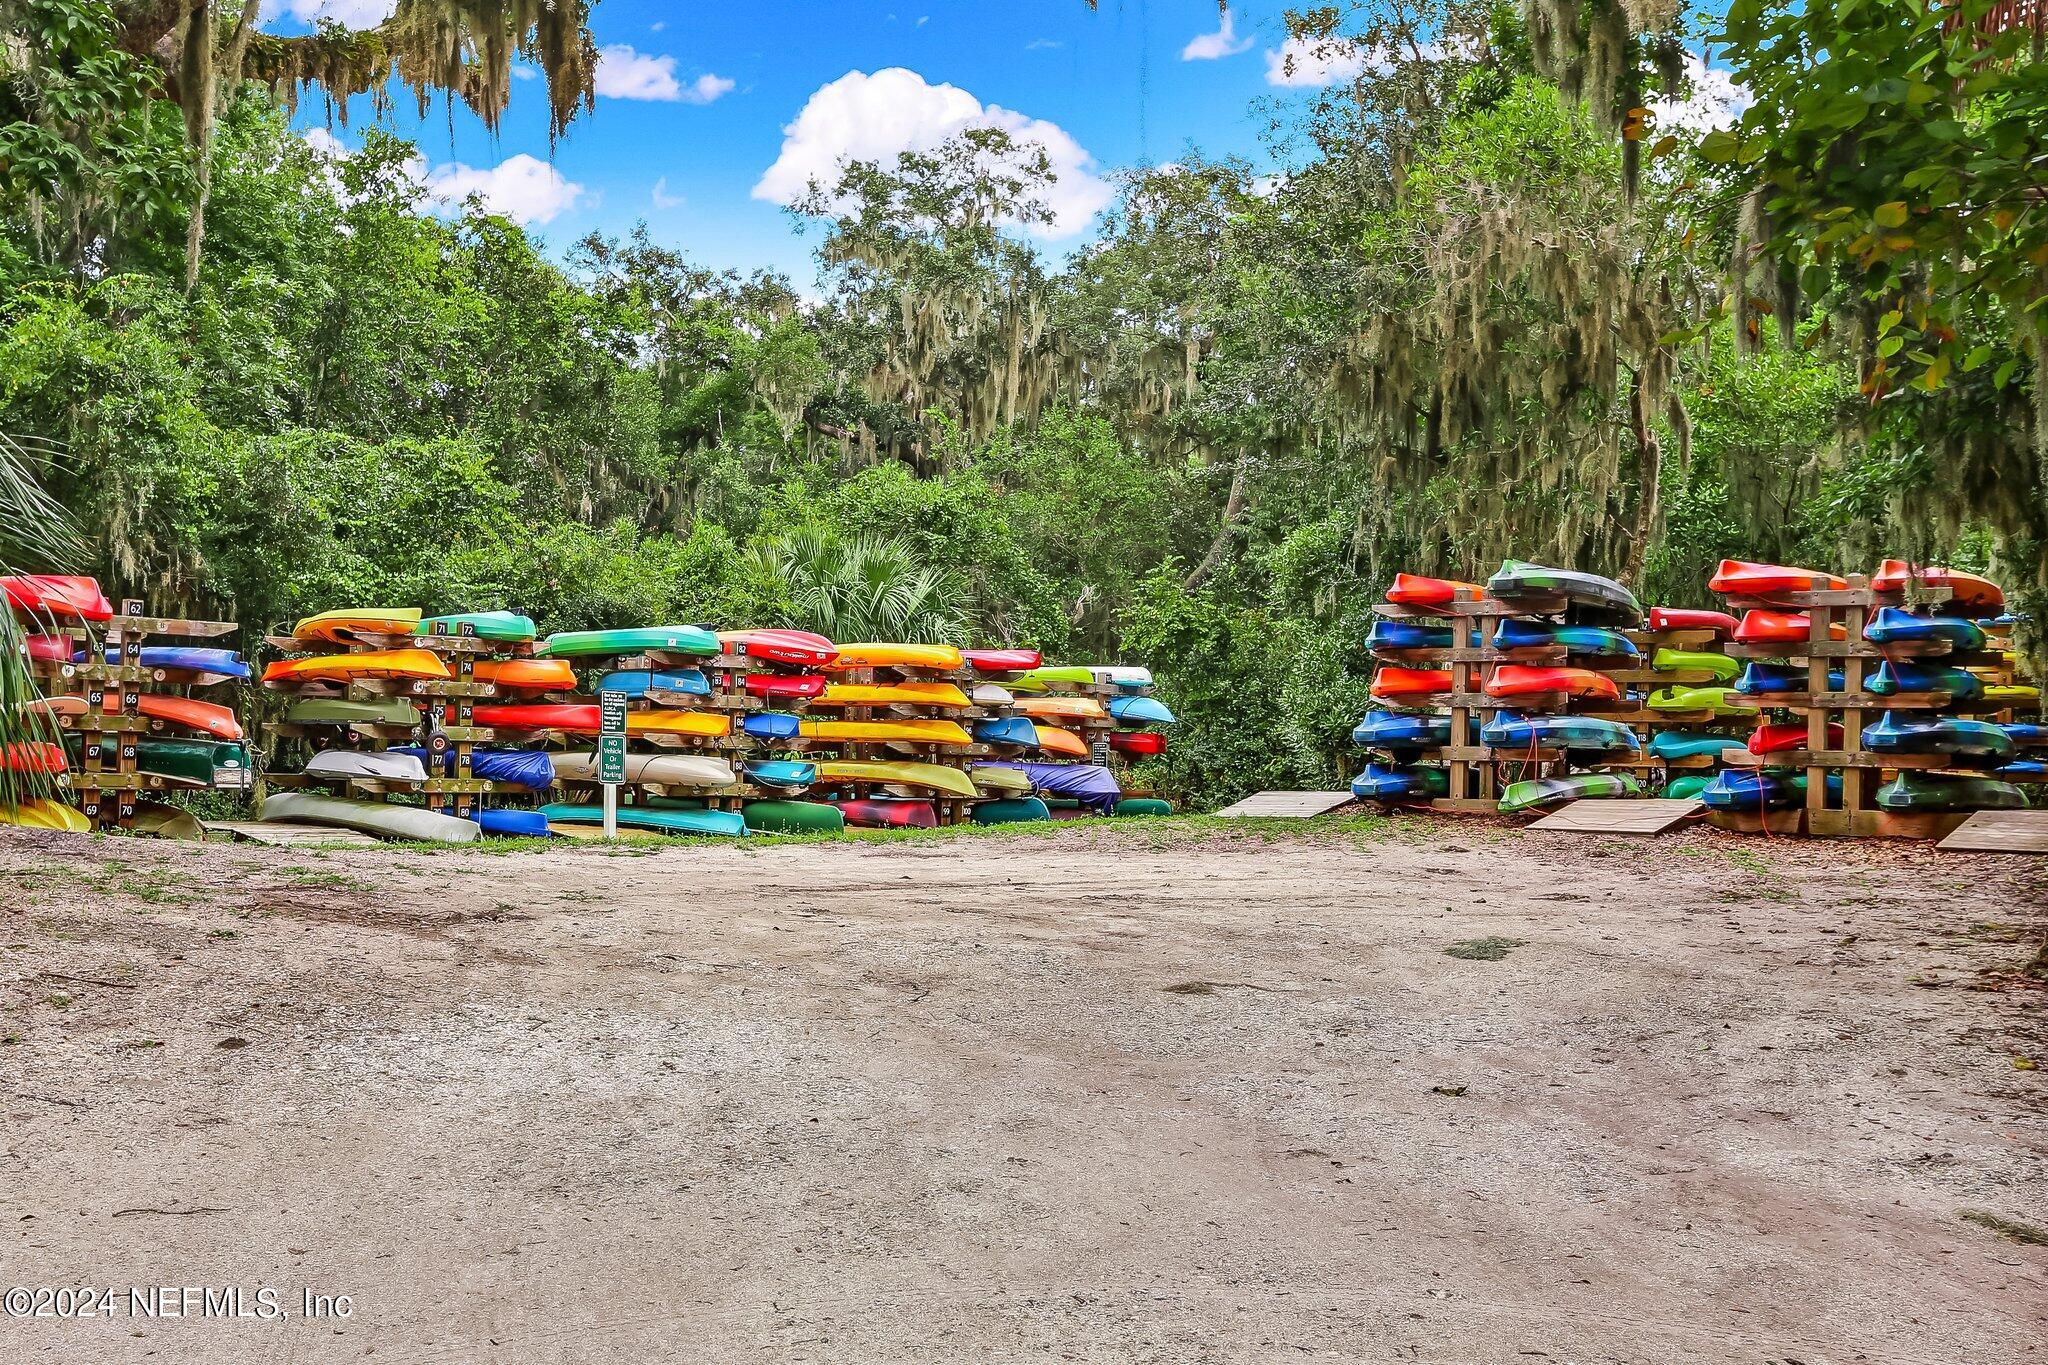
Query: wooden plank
{"x": 289, "y": 836}
{"x": 1621, "y": 815}
{"x": 1288, "y": 805}
{"x": 2000, "y": 831}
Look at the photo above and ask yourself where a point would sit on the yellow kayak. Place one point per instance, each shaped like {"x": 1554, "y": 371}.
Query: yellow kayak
{"x": 892, "y": 694}
{"x": 943, "y": 657}
{"x": 929, "y": 776}
{"x": 884, "y": 731}
{"x": 702, "y": 724}
{"x": 342, "y": 627}
{"x": 2012, "y": 692}
{"x": 1061, "y": 708}
{"x": 377, "y": 663}
{"x": 45, "y": 815}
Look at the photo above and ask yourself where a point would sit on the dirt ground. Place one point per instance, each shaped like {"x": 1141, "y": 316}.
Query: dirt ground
{"x": 1105, "y": 1095}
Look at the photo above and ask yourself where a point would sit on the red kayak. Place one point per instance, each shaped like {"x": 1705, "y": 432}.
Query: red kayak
{"x": 1144, "y": 742}
{"x": 1682, "y": 618}
{"x": 50, "y": 649}
{"x": 1391, "y": 683}
{"x": 1966, "y": 589}
{"x": 1523, "y": 680}
{"x": 799, "y": 648}
{"x": 1413, "y": 590}
{"x": 202, "y": 716}
{"x": 57, "y": 598}
{"x": 1738, "y": 578}
{"x": 885, "y": 813}
{"x": 1782, "y": 739}
{"x": 33, "y": 757}
{"x": 1760, "y": 627}
{"x": 1002, "y": 660}
{"x": 786, "y": 686}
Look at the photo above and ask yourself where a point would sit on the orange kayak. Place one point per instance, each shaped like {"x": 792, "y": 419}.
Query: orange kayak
{"x": 1061, "y": 708}
{"x": 1413, "y": 590}
{"x": 892, "y": 694}
{"x": 202, "y": 716}
{"x": 1739, "y": 578}
{"x": 376, "y": 663}
{"x": 1759, "y": 627}
{"x": 1053, "y": 740}
{"x": 528, "y": 675}
{"x": 1522, "y": 680}
{"x": 1391, "y": 683}
{"x": 1967, "y": 589}
{"x": 941, "y": 657}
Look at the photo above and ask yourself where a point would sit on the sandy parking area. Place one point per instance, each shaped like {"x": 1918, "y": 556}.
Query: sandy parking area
{"x": 1119, "y": 1094}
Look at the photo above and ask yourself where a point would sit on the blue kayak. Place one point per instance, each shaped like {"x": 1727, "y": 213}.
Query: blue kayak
{"x": 1583, "y": 734}
{"x": 1894, "y": 676}
{"x": 1894, "y": 734}
{"x": 789, "y": 775}
{"x": 530, "y": 768}
{"x": 2027, "y": 769}
{"x": 1407, "y": 635}
{"x": 2028, "y": 736}
{"x": 1016, "y": 730}
{"x": 770, "y": 725}
{"x": 1093, "y": 787}
{"x": 1760, "y": 679}
{"x": 1752, "y": 789}
{"x": 729, "y": 823}
{"x": 638, "y": 682}
{"x": 1402, "y": 730}
{"x": 513, "y": 824}
{"x": 1129, "y": 711}
{"x": 1897, "y": 626}
{"x": 186, "y": 659}
{"x": 1595, "y": 641}
{"x": 1670, "y": 744}
{"x": 1378, "y": 783}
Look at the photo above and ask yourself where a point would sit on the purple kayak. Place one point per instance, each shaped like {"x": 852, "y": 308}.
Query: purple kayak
{"x": 1093, "y": 787}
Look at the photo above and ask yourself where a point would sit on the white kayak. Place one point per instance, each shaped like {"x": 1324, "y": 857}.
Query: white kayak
{"x": 361, "y": 763}
{"x": 988, "y": 694}
{"x": 663, "y": 770}
{"x": 368, "y": 817}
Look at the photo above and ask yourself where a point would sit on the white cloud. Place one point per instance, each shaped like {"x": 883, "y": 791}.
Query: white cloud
{"x": 707, "y": 88}
{"x": 872, "y": 118}
{"x": 1312, "y": 63}
{"x": 1716, "y": 101}
{"x": 347, "y": 13}
{"x": 663, "y": 199}
{"x": 325, "y": 142}
{"x": 1207, "y": 47}
{"x": 624, "y": 74}
{"x": 523, "y": 188}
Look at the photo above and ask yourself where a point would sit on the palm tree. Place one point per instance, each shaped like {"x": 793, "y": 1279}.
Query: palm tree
{"x": 865, "y": 588}
{"x": 34, "y": 530}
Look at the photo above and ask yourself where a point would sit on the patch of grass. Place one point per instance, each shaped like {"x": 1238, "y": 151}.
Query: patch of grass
{"x": 1483, "y": 949}
{"x": 2026, "y": 1234}
{"x": 152, "y": 887}
{"x": 1190, "y": 988}
{"x": 1454, "y": 1091}
{"x": 308, "y": 879}
{"x": 57, "y": 1001}
{"x": 223, "y": 933}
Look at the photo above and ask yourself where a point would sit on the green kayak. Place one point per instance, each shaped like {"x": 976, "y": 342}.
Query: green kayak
{"x": 215, "y": 762}
{"x": 661, "y": 821}
{"x": 328, "y": 711}
{"x": 642, "y": 640}
{"x": 483, "y": 625}
{"x": 1143, "y": 805}
{"x": 1682, "y": 699}
{"x": 793, "y": 817}
{"x": 367, "y": 817}
{"x": 1918, "y": 791}
{"x": 1043, "y": 679}
{"x": 1543, "y": 792}
{"x": 1517, "y": 578}
{"x": 1720, "y": 666}
{"x": 1686, "y": 788}
{"x": 1013, "y": 812}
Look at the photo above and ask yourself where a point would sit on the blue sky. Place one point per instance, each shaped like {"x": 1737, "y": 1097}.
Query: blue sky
{"x": 695, "y": 99}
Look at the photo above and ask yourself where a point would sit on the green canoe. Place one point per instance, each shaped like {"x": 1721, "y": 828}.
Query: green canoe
{"x": 482, "y": 625}
{"x": 660, "y": 820}
{"x": 1720, "y": 666}
{"x": 328, "y": 711}
{"x": 215, "y": 762}
{"x": 1015, "y": 812}
{"x": 793, "y": 817}
{"x": 1143, "y": 805}
{"x": 368, "y": 817}
{"x": 642, "y": 640}
{"x": 1542, "y": 792}
{"x": 167, "y": 822}
{"x": 1686, "y": 788}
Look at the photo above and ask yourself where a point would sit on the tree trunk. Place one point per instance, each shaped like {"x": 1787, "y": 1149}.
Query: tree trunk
{"x": 1649, "y": 477}
{"x": 1233, "y": 508}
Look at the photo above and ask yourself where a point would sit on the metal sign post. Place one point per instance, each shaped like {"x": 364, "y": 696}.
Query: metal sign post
{"x": 611, "y": 755}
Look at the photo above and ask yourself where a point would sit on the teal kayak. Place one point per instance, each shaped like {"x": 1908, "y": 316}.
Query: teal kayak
{"x": 1143, "y": 805}
{"x": 482, "y": 625}
{"x": 1015, "y": 812}
{"x": 1670, "y": 744}
{"x": 725, "y": 822}
{"x": 641, "y": 640}
{"x": 793, "y": 817}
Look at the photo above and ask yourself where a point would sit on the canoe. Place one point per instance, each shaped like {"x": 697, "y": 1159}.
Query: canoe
{"x": 988, "y": 694}
{"x": 1517, "y": 578}
{"x": 662, "y": 820}
{"x": 771, "y": 725}
{"x": 889, "y": 813}
{"x": 1142, "y": 805}
{"x": 1684, "y": 618}
{"x": 1916, "y": 791}
{"x": 1720, "y": 666}
{"x": 1389, "y": 684}
{"x": 209, "y": 762}
{"x": 929, "y": 776}
{"x": 1414, "y": 590}
{"x": 583, "y": 718}
{"x": 1578, "y": 734}
{"x": 1687, "y": 787}
{"x": 793, "y": 817}
{"x": 1006, "y": 730}
{"x": 781, "y": 774}
{"x": 1541, "y": 793}
{"x": 1764, "y": 679}
{"x": 1594, "y": 641}
{"x": 1406, "y": 635}
{"x": 1400, "y": 731}
{"x": 1521, "y": 680}
{"x": 943, "y": 658}
{"x": 666, "y": 770}
{"x": 1060, "y": 708}
{"x": 1763, "y": 627}
{"x": 638, "y": 682}
{"x": 1683, "y": 699}
{"x": 992, "y": 780}
{"x": 1671, "y": 744}
{"x": 1894, "y": 676}
{"x": 159, "y": 821}
{"x": 378, "y": 818}
{"x": 1095, "y": 788}
{"x": 1904, "y": 734}
{"x": 910, "y": 730}
{"x": 204, "y": 717}
{"x": 512, "y": 824}
{"x": 1740, "y": 578}
{"x": 576, "y": 644}
{"x": 527, "y": 675}
{"x": 376, "y": 663}
{"x": 785, "y": 686}
{"x": 1138, "y": 743}
{"x": 796, "y": 648}
{"x": 345, "y": 763}
{"x": 1016, "y": 810}
{"x": 56, "y": 597}
{"x": 34, "y": 756}
{"x": 1065, "y": 743}
{"x": 1897, "y": 626}
{"x": 939, "y": 694}
{"x": 1001, "y": 660}
{"x": 479, "y": 625}
{"x": 533, "y": 769}
{"x": 347, "y": 626}
{"x": 1966, "y": 589}
{"x": 45, "y": 815}
{"x": 334, "y": 711}
{"x": 1787, "y": 737}
{"x": 1380, "y": 782}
